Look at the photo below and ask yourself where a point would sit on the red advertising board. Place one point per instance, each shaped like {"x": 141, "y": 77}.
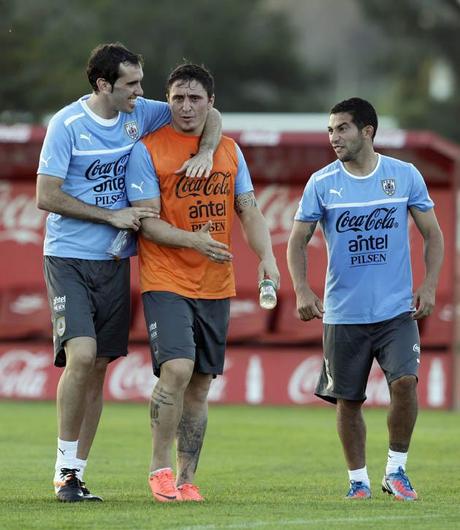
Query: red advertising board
{"x": 252, "y": 375}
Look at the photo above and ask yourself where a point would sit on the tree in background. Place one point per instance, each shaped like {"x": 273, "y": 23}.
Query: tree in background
{"x": 422, "y": 61}
{"x": 249, "y": 48}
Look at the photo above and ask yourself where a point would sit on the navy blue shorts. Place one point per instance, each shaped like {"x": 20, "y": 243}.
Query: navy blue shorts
{"x": 187, "y": 328}
{"x": 89, "y": 298}
{"x": 349, "y": 350}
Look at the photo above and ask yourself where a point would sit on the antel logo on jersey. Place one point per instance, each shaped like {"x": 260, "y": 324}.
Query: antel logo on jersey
{"x": 217, "y": 184}
{"x": 380, "y": 218}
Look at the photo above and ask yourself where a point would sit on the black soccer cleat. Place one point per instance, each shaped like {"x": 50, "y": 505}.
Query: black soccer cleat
{"x": 87, "y": 495}
{"x": 69, "y": 487}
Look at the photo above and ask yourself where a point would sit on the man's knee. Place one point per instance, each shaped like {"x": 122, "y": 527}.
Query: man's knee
{"x": 80, "y": 355}
{"x": 198, "y": 388}
{"x": 403, "y": 385}
{"x": 176, "y": 373}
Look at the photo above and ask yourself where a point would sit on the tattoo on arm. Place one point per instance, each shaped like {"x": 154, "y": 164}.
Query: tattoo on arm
{"x": 245, "y": 200}
{"x": 159, "y": 399}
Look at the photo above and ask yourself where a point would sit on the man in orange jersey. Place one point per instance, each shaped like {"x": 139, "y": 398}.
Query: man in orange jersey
{"x": 186, "y": 272}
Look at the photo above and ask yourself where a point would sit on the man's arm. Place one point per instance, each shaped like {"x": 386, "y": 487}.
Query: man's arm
{"x": 309, "y": 306}
{"x": 163, "y": 233}
{"x": 425, "y": 296}
{"x": 258, "y": 235}
{"x": 51, "y": 198}
{"x": 201, "y": 164}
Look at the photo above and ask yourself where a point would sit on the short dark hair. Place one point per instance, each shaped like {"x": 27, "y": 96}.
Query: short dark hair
{"x": 362, "y": 112}
{"x": 188, "y": 72}
{"x": 104, "y": 61}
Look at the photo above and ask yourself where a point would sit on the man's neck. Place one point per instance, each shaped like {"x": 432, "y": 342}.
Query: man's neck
{"x": 363, "y": 165}
{"x": 97, "y": 103}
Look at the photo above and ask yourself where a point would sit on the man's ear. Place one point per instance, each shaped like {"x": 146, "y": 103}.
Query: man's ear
{"x": 211, "y": 101}
{"x": 103, "y": 85}
{"x": 368, "y": 131}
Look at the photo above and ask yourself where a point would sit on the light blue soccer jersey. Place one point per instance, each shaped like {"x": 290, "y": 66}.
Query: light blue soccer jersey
{"x": 142, "y": 181}
{"x": 90, "y": 154}
{"x": 365, "y": 224}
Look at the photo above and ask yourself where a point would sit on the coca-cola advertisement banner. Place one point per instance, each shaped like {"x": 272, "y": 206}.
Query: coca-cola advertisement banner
{"x": 256, "y": 376}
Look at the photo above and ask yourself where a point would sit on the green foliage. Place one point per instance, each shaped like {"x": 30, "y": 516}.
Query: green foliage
{"x": 419, "y": 33}
{"x": 249, "y": 49}
{"x": 261, "y": 467}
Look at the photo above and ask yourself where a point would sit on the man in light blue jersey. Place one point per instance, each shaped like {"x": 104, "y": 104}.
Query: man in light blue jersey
{"x": 81, "y": 182}
{"x": 362, "y": 202}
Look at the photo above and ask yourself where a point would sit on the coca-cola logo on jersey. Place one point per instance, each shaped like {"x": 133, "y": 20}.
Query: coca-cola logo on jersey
{"x": 20, "y": 219}
{"x": 380, "y": 218}
{"x": 98, "y": 169}
{"x": 218, "y": 183}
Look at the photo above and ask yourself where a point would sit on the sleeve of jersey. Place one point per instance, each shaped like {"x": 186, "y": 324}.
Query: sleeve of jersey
{"x": 243, "y": 182}
{"x": 310, "y": 206}
{"x": 419, "y": 196}
{"x": 141, "y": 178}
{"x": 56, "y": 150}
{"x": 156, "y": 114}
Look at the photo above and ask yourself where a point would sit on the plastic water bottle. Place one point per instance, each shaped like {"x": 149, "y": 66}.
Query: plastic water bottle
{"x": 267, "y": 294}
{"x": 119, "y": 244}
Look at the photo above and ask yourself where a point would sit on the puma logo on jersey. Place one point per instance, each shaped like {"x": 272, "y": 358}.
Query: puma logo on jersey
{"x": 45, "y": 160}
{"x": 138, "y": 186}
{"x": 86, "y": 137}
{"x": 335, "y": 192}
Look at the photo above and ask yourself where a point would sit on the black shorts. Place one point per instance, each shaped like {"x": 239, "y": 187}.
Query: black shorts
{"x": 349, "y": 350}
{"x": 186, "y": 328}
{"x": 89, "y": 298}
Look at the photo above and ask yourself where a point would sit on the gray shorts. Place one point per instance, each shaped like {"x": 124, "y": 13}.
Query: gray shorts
{"x": 349, "y": 350}
{"x": 186, "y": 328}
{"x": 89, "y": 298}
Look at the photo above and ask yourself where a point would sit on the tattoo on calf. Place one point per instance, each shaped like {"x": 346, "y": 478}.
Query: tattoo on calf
{"x": 159, "y": 397}
{"x": 190, "y": 436}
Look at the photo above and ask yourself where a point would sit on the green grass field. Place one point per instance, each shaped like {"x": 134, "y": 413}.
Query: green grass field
{"x": 261, "y": 467}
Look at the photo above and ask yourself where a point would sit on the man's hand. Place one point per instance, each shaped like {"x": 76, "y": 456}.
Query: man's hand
{"x": 309, "y": 306}
{"x": 269, "y": 270}
{"x": 131, "y": 217}
{"x": 209, "y": 247}
{"x": 198, "y": 166}
{"x": 423, "y": 301}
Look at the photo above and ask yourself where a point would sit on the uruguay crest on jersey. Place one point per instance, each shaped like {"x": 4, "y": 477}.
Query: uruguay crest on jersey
{"x": 389, "y": 186}
{"x": 132, "y": 130}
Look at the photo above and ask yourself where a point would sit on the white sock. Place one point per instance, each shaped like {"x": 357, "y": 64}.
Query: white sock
{"x": 66, "y": 455}
{"x": 359, "y": 475}
{"x": 81, "y": 466}
{"x": 395, "y": 461}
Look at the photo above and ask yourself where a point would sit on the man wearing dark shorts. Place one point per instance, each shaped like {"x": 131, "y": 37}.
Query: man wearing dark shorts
{"x": 362, "y": 201}
{"x": 186, "y": 273}
{"x": 81, "y": 181}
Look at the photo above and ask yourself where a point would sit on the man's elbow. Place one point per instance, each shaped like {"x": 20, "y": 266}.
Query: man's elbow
{"x": 41, "y": 200}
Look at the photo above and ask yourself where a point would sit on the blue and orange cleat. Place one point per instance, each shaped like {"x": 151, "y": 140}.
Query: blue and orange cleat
{"x": 398, "y": 484}
{"x": 358, "y": 490}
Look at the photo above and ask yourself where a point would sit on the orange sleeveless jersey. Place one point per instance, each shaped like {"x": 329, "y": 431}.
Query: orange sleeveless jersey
{"x": 188, "y": 203}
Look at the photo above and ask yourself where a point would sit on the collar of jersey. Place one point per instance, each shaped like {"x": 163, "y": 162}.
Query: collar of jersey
{"x": 102, "y": 121}
{"x": 362, "y": 177}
